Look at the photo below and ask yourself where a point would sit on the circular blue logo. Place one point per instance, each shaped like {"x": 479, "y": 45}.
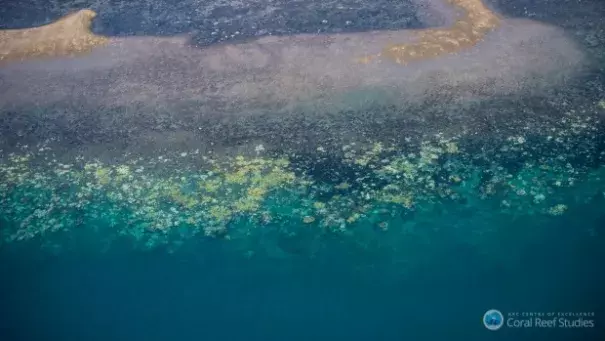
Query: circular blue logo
{"x": 493, "y": 319}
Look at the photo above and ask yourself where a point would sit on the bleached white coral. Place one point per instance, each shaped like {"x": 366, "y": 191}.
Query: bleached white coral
{"x": 123, "y": 170}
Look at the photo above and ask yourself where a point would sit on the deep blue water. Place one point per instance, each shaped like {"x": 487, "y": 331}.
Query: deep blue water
{"x": 206, "y": 291}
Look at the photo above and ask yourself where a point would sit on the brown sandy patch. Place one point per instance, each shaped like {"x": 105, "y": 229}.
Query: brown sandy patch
{"x": 475, "y": 22}
{"x": 68, "y": 36}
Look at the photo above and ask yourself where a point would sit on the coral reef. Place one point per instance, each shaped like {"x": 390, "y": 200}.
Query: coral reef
{"x": 151, "y": 200}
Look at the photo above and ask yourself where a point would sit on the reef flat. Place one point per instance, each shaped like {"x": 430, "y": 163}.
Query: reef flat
{"x": 284, "y": 91}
